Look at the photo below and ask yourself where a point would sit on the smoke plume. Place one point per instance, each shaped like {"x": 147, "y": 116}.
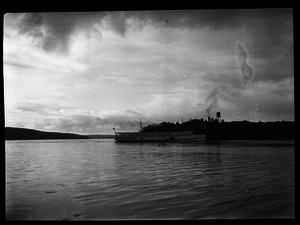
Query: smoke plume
{"x": 212, "y": 99}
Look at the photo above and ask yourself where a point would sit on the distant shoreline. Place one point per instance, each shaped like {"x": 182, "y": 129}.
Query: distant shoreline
{"x": 14, "y": 133}
{"x": 214, "y": 130}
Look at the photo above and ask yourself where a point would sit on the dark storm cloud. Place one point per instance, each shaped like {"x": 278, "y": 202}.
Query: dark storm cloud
{"x": 54, "y": 30}
{"x": 272, "y": 27}
{"x": 215, "y": 19}
{"x": 273, "y": 20}
{"x": 117, "y": 22}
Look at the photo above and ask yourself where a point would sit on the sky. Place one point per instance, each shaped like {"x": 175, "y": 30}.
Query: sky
{"x": 90, "y": 72}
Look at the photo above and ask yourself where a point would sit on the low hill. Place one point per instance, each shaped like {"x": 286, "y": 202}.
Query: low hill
{"x": 14, "y": 133}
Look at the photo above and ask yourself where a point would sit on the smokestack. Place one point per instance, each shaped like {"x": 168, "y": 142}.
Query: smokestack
{"x": 218, "y": 115}
{"x": 208, "y": 118}
{"x": 141, "y": 125}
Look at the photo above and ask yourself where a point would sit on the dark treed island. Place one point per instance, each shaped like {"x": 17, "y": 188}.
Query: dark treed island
{"x": 14, "y": 133}
{"x": 233, "y": 130}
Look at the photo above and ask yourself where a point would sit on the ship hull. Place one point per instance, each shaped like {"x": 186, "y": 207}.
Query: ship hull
{"x": 161, "y": 137}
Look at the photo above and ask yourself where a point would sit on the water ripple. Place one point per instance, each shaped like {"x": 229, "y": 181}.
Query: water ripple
{"x": 91, "y": 179}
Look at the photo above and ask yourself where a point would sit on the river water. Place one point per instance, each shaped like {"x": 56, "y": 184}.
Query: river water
{"x": 101, "y": 179}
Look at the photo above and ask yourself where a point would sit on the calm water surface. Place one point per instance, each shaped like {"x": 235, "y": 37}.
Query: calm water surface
{"x": 101, "y": 179}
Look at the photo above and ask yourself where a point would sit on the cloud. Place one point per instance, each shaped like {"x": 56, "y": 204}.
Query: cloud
{"x": 268, "y": 40}
{"x": 116, "y": 67}
{"x": 88, "y": 124}
{"x": 52, "y": 31}
{"x": 225, "y": 93}
{"x": 18, "y": 64}
{"x": 222, "y": 89}
{"x": 216, "y": 19}
{"x": 63, "y": 118}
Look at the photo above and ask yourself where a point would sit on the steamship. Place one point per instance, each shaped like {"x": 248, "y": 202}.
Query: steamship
{"x": 181, "y": 136}
{"x": 166, "y": 136}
